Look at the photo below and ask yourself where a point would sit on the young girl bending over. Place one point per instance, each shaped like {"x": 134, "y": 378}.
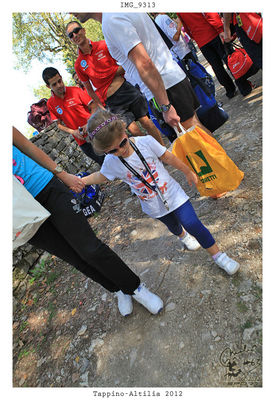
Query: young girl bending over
{"x": 138, "y": 162}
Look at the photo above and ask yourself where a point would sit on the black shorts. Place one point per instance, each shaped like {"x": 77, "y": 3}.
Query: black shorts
{"x": 184, "y": 99}
{"x": 128, "y": 102}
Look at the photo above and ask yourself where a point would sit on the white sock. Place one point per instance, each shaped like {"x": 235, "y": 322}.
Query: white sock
{"x": 181, "y": 238}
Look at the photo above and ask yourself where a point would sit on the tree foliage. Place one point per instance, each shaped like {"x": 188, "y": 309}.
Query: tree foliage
{"x": 42, "y": 36}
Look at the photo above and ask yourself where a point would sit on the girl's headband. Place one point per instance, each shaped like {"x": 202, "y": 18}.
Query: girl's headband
{"x": 108, "y": 121}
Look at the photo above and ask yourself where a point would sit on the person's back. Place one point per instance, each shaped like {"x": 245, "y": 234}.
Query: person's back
{"x": 202, "y": 27}
{"x": 123, "y": 32}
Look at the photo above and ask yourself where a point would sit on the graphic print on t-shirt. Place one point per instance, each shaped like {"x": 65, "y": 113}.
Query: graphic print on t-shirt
{"x": 142, "y": 191}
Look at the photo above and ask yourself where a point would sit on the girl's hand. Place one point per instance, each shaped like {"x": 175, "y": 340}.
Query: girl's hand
{"x": 84, "y": 180}
{"x": 191, "y": 177}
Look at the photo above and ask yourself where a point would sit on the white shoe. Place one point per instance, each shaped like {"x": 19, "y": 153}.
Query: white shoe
{"x": 124, "y": 302}
{"x": 149, "y": 300}
{"x": 189, "y": 242}
{"x": 226, "y": 263}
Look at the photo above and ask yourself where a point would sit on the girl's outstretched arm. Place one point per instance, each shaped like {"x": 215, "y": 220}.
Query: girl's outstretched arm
{"x": 94, "y": 178}
{"x": 170, "y": 159}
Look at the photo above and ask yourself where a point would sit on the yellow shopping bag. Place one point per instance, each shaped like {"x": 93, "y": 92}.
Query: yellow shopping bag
{"x": 216, "y": 172}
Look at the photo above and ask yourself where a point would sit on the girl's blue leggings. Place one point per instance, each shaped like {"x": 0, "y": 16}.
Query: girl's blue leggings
{"x": 185, "y": 217}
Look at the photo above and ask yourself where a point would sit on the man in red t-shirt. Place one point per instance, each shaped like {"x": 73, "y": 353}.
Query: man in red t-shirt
{"x": 105, "y": 83}
{"x": 72, "y": 107}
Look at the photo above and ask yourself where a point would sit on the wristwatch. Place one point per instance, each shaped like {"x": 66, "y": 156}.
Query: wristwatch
{"x": 164, "y": 108}
{"x": 57, "y": 170}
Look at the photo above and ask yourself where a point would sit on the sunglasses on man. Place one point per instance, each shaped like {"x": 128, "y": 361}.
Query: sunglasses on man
{"x": 74, "y": 31}
{"x": 122, "y": 144}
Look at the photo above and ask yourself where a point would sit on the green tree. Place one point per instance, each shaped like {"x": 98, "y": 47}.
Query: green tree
{"x": 42, "y": 36}
{"x": 42, "y": 92}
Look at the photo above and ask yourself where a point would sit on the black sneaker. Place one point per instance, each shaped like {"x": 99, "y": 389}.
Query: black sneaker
{"x": 230, "y": 95}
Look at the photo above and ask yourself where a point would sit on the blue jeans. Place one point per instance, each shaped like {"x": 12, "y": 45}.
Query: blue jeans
{"x": 185, "y": 217}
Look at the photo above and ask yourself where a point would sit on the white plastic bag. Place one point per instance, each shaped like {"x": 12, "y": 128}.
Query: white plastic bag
{"x": 28, "y": 214}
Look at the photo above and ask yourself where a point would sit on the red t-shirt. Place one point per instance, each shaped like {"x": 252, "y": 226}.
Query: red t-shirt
{"x": 72, "y": 110}
{"x": 99, "y": 67}
{"x": 202, "y": 27}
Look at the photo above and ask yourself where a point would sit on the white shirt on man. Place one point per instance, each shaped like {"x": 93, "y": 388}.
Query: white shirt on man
{"x": 123, "y": 31}
{"x": 150, "y": 201}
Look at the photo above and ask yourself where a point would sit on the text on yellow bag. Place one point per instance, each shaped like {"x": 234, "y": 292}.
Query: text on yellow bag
{"x": 217, "y": 173}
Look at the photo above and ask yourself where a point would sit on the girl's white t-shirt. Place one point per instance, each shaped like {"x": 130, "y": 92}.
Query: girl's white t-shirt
{"x": 150, "y": 201}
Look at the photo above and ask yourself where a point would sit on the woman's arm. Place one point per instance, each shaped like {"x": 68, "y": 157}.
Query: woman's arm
{"x": 36, "y": 154}
{"x": 170, "y": 159}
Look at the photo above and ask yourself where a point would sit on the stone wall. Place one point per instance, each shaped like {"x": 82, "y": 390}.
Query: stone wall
{"x": 63, "y": 149}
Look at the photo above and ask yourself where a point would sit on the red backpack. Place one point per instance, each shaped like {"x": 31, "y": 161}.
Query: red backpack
{"x": 238, "y": 61}
{"x": 39, "y": 115}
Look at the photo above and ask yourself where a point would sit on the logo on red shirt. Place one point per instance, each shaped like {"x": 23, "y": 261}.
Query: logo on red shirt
{"x": 59, "y": 110}
{"x": 84, "y": 64}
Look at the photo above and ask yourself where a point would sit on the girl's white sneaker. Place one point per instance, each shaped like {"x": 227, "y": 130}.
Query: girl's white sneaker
{"x": 230, "y": 266}
{"x": 149, "y": 300}
{"x": 124, "y": 302}
{"x": 189, "y": 242}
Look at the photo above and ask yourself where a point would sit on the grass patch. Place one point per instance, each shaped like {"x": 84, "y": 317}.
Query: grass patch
{"x": 52, "y": 311}
{"x": 242, "y": 307}
{"x": 236, "y": 281}
{"x": 247, "y": 325}
{"x": 23, "y": 353}
{"x": 257, "y": 292}
{"x": 38, "y": 272}
{"x": 52, "y": 277}
{"x": 23, "y": 326}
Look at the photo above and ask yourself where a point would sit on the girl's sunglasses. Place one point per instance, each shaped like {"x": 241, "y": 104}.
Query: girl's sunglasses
{"x": 122, "y": 144}
{"x": 75, "y": 31}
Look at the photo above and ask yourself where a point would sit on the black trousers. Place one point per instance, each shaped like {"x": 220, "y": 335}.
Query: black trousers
{"x": 214, "y": 53}
{"x": 253, "y": 49}
{"x": 68, "y": 235}
{"x": 87, "y": 149}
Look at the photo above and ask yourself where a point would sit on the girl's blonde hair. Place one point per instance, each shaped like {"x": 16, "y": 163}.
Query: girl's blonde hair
{"x": 106, "y": 132}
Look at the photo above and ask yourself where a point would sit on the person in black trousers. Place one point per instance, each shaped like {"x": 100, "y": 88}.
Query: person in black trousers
{"x": 67, "y": 233}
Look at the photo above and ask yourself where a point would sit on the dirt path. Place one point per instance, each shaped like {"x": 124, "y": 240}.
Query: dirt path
{"x": 68, "y": 331}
